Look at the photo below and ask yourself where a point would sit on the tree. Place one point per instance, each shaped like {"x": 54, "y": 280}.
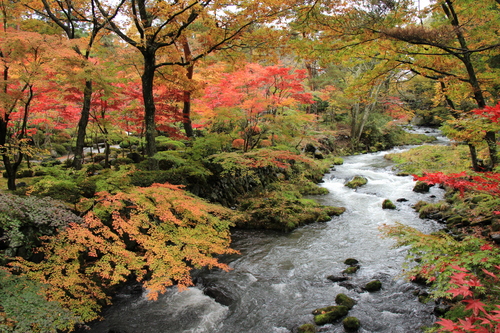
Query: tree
{"x": 259, "y": 96}
{"x": 26, "y": 61}
{"x": 156, "y": 234}
{"x": 454, "y": 50}
{"x": 156, "y": 29}
{"x": 71, "y": 17}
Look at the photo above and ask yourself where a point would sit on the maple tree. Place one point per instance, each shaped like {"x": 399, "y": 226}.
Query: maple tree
{"x": 72, "y": 17}
{"x": 27, "y": 60}
{"x": 262, "y": 95}
{"x": 157, "y": 234}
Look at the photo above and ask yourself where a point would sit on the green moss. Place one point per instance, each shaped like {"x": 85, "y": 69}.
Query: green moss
{"x": 350, "y": 270}
{"x": 388, "y": 204}
{"x": 332, "y": 315}
{"x": 307, "y": 328}
{"x": 343, "y": 299}
{"x": 351, "y": 324}
{"x": 446, "y": 159}
{"x": 374, "y": 285}
{"x": 356, "y": 182}
{"x": 337, "y": 161}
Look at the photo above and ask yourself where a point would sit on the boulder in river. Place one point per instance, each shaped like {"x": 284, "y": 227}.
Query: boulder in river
{"x": 307, "y": 328}
{"x": 329, "y": 314}
{"x": 374, "y": 285}
{"x": 356, "y": 182}
{"x": 421, "y": 187}
{"x": 351, "y": 324}
{"x": 388, "y": 204}
{"x": 350, "y": 270}
{"x": 337, "y": 278}
{"x": 343, "y": 299}
{"x": 351, "y": 261}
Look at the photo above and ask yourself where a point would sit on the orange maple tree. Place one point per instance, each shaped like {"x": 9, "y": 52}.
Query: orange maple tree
{"x": 156, "y": 234}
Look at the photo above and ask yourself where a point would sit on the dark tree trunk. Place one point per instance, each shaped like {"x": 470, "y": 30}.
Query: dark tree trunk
{"x": 147, "y": 79}
{"x": 186, "y": 107}
{"x": 82, "y": 125}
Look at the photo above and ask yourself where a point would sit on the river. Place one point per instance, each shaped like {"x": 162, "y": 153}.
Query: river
{"x": 279, "y": 278}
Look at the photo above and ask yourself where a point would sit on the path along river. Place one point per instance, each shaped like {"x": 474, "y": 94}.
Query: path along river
{"x": 279, "y": 278}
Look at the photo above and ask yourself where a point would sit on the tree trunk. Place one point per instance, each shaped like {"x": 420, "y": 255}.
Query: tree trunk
{"x": 186, "y": 107}
{"x": 490, "y": 136}
{"x": 82, "y": 126}
{"x": 147, "y": 79}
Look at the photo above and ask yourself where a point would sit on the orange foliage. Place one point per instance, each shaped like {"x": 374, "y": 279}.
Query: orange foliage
{"x": 157, "y": 234}
{"x": 238, "y": 143}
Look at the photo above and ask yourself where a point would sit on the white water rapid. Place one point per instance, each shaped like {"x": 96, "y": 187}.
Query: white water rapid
{"x": 279, "y": 278}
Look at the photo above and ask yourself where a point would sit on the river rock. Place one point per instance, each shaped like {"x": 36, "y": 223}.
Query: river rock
{"x": 421, "y": 187}
{"x": 307, "y": 328}
{"x": 402, "y": 200}
{"x": 387, "y": 204}
{"x": 372, "y": 286}
{"x": 356, "y": 182}
{"x": 351, "y": 324}
{"x": 337, "y": 278}
{"x": 343, "y": 299}
{"x": 350, "y": 270}
{"x": 329, "y": 314}
{"x": 351, "y": 261}
{"x": 220, "y": 294}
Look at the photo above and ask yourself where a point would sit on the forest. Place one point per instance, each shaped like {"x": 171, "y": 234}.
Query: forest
{"x": 136, "y": 134}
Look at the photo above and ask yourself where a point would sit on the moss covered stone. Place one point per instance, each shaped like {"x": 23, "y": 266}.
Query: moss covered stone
{"x": 421, "y": 187}
{"x": 307, "y": 328}
{"x": 388, "y": 204}
{"x": 351, "y": 261}
{"x": 337, "y": 161}
{"x": 343, "y": 299}
{"x": 350, "y": 270}
{"x": 356, "y": 182}
{"x": 351, "y": 324}
{"x": 374, "y": 285}
{"x": 335, "y": 313}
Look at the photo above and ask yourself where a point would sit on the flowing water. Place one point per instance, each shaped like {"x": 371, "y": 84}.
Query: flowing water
{"x": 279, "y": 278}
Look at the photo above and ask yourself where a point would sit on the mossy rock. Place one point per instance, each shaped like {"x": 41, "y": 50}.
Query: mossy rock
{"x": 332, "y": 316}
{"x": 421, "y": 187}
{"x": 343, "y": 299}
{"x": 351, "y": 261}
{"x": 374, "y": 285}
{"x": 351, "y": 324}
{"x": 337, "y": 161}
{"x": 334, "y": 211}
{"x": 350, "y": 270}
{"x": 356, "y": 182}
{"x": 388, "y": 204}
{"x": 307, "y": 328}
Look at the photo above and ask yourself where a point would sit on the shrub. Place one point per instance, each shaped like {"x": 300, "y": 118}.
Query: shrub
{"x": 238, "y": 143}
{"x": 23, "y": 220}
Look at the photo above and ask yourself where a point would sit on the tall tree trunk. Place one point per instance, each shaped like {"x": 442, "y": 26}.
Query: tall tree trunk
{"x": 82, "y": 125}
{"x": 186, "y": 107}
{"x": 490, "y": 136}
{"x": 147, "y": 79}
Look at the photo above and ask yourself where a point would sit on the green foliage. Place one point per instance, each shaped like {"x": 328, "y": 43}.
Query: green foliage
{"x": 210, "y": 144}
{"x": 24, "y": 220}
{"x": 59, "y": 189}
{"x": 24, "y": 309}
{"x": 438, "y": 252}
{"x": 447, "y": 159}
{"x": 165, "y": 143}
